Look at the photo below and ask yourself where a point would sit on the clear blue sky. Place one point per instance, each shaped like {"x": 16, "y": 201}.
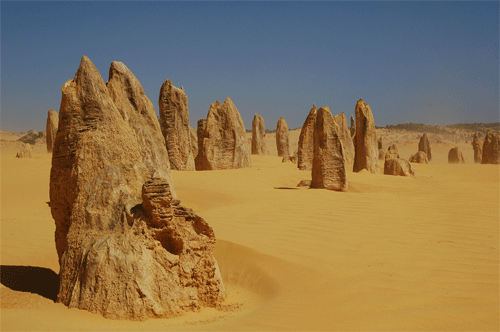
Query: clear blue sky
{"x": 428, "y": 62}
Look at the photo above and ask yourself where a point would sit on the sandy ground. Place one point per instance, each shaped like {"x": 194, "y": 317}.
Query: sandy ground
{"x": 392, "y": 253}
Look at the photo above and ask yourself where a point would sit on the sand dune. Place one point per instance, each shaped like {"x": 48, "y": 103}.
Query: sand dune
{"x": 392, "y": 253}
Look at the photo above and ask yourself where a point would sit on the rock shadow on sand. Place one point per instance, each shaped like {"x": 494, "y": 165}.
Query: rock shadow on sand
{"x": 37, "y": 280}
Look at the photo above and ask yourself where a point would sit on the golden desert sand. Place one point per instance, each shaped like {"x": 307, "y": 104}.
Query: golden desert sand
{"x": 393, "y": 253}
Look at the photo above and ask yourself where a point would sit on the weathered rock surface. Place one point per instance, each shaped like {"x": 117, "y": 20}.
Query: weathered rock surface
{"x": 305, "y": 150}
{"x": 425, "y": 146}
{"x": 26, "y": 151}
{"x": 258, "y": 135}
{"x": 292, "y": 159}
{"x": 394, "y": 165}
{"x": 174, "y": 117}
{"x": 353, "y": 126}
{"x": 224, "y": 144}
{"x": 366, "y": 152}
{"x": 139, "y": 114}
{"x": 51, "y": 129}
{"x": 477, "y": 146}
{"x": 420, "y": 157}
{"x": 194, "y": 141}
{"x": 491, "y": 150}
{"x": 345, "y": 137}
{"x": 126, "y": 248}
{"x": 455, "y": 156}
{"x": 282, "y": 138}
{"x": 328, "y": 169}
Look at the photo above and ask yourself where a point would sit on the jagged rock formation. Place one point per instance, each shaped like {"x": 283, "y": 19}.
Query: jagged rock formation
{"x": 305, "y": 150}
{"x": 222, "y": 144}
{"x": 51, "y": 129}
{"x": 174, "y": 117}
{"x": 25, "y": 152}
{"x": 394, "y": 165}
{"x": 424, "y": 146}
{"x": 139, "y": 114}
{"x": 455, "y": 156}
{"x": 258, "y": 135}
{"x": 420, "y": 157}
{"x": 328, "y": 169}
{"x": 33, "y": 137}
{"x": 282, "y": 138}
{"x": 126, "y": 248}
{"x": 491, "y": 151}
{"x": 193, "y": 138}
{"x": 366, "y": 152}
{"x": 292, "y": 159}
{"x": 477, "y": 146}
{"x": 345, "y": 137}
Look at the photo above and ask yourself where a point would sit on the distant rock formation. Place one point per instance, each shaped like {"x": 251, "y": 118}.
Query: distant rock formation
{"x": 258, "y": 135}
{"x": 366, "y": 152}
{"x": 33, "y": 137}
{"x": 345, "y": 137}
{"x": 126, "y": 248}
{"x": 25, "y": 152}
{"x": 455, "y": 156}
{"x": 381, "y": 152}
{"x": 328, "y": 169}
{"x": 51, "y": 129}
{"x": 139, "y": 114}
{"x": 477, "y": 146}
{"x": 420, "y": 157}
{"x": 174, "y": 117}
{"x": 282, "y": 138}
{"x": 224, "y": 144}
{"x": 200, "y": 131}
{"x": 491, "y": 153}
{"x": 425, "y": 146}
{"x": 394, "y": 165}
{"x": 292, "y": 159}
{"x": 304, "y": 183}
{"x": 305, "y": 150}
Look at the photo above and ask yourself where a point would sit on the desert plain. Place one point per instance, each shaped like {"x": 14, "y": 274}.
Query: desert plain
{"x": 391, "y": 253}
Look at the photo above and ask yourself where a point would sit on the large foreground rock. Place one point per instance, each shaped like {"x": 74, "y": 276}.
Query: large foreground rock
{"x": 51, "y": 129}
{"x": 425, "y": 146}
{"x": 328, "y": 169}
{"x": 491, "y": 152}
{"x": 366, "y": 152}
{"x": 477, "y": 146}
{"x": 126, "y": 247}
{"x": 345, "y": 137}
{"x": 26, "y": 151}
{"x": 174, "y": 117}
{"x": 258, "y": 135}
{"x": 394, "y": 165}
{"x": 305, "y": 151}
{"x": 455, "y": 156}
{"x": 282, "y": 138}
{"x": 138, "y": 112}
{"x": 223, "y": 143}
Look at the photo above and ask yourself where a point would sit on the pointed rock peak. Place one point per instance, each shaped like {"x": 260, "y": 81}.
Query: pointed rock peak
{"x": 118, "y": 67}
{"x": 314, "y": 105}
{"x": 228, "y": 101}
{"x": 87, "y": 71}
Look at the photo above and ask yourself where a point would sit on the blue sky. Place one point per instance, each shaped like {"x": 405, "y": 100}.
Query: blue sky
{"x": 425, "y": 62}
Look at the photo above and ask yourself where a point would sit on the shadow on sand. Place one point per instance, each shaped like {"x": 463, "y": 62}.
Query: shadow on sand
{"x": 37, "y": 280}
